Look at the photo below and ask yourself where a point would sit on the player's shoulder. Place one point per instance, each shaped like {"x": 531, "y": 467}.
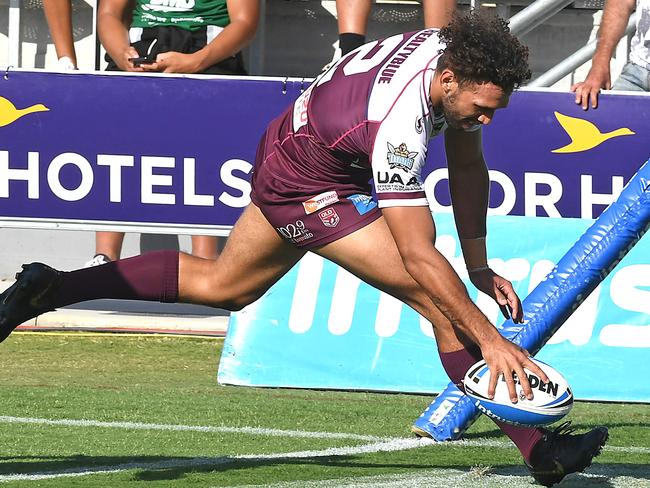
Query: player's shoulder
{"x": 402, "y": 81}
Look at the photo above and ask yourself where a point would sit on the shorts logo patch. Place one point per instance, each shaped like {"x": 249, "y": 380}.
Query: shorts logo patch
{"x": 320, "y": 201}
{"x": 295, "y": 232}
{"x": 363, "y": 203}
{"x": 329, "y": 217}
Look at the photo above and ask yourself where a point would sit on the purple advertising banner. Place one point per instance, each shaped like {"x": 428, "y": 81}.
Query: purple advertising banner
{"x": 138, "y": 149}
{"x": 99, "y": 150}
{"x": 550, "y": 158}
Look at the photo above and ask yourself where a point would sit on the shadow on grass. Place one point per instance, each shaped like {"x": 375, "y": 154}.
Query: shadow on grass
{"x": 159, "y": 468}
{"x": 578, "y": 426}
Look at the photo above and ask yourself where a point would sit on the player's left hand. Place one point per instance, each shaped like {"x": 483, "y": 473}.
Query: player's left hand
{"x": 174, "y": 62}
{"x": 501, "y": 291}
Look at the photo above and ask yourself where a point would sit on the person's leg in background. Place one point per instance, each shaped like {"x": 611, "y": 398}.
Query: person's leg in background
{"x": 205, "y": 247}
{"x": 633, "y": 78}
{"x": 352, "y": 23}
{"x": 353, "y": 19}
{"x": 108, "y": 247}
{"x": 438, "y": 13}
{"x": 59, "y": 20}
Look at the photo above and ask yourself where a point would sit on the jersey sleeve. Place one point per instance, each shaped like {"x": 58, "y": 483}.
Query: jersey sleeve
{"x": 400, "y": 150}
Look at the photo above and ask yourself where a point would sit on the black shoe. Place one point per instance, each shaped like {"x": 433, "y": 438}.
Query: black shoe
{"x": 28, "y": 297}
{"x": 561, "y": 452}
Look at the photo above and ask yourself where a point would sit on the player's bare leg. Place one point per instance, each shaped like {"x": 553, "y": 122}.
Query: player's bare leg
{"x": 254, "y": 258}
{"x": 360, "y": 253}
{"x": 549, "y": 455}
{"x": 371, "y": 254}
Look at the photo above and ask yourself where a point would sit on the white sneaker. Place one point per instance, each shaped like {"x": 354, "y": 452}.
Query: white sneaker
{"x": 65, "y": 64}
{"x": 97, "y": 260}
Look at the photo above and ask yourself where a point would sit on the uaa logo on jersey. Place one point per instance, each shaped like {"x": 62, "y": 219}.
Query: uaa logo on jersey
{"x": 400, "y": 157}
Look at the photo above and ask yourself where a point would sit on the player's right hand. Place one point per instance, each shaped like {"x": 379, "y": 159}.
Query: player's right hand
{"x": 508, "y": 359}
{"x": 587, "y": 91}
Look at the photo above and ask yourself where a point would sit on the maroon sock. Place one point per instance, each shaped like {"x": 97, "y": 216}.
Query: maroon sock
{"x": 456, "y": 365}
{"x": 152, "y": 276}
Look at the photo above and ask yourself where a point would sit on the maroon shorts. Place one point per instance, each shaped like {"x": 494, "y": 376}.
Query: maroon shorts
{"x": 305, "y": 212}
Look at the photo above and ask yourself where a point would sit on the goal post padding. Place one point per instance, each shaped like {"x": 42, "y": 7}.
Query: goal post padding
{"x": 552, "y": 302}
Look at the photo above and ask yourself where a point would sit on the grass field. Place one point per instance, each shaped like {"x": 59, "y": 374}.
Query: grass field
{"x": 114, "y": 410}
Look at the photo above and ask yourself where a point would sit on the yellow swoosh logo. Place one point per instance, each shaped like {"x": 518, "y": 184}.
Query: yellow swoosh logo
{"x": 9, "y": 113}
{"x": 584, "y": 135}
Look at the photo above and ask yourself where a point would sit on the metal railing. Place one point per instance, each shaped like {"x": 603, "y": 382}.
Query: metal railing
{"x": 577, "y": 59}
{"x": 535, "y": 14}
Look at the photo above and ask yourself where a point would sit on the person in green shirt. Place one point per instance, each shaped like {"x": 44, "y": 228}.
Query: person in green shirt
{"x": 173, "y": 36}
{"x": 177, "y": 36}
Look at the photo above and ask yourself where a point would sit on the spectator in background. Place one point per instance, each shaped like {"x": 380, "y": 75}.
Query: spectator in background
{"x": 59, "y": 20}
{"x": 636, "y": 73}
{"x": 205, "y": 37}
{"x": 353, "y": 19}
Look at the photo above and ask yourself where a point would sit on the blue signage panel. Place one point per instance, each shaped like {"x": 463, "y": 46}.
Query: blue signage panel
{"x": 319, "y": 327}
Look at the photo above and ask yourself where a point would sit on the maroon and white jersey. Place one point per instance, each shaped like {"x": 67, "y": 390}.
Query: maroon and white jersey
{"x": 368, "y": 116}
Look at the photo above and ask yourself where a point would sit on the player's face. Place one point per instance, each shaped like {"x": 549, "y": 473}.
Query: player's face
{"x": 468, "y": 105}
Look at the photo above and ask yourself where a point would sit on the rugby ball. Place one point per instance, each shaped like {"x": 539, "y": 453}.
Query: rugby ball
{"x": 551, "y": 401}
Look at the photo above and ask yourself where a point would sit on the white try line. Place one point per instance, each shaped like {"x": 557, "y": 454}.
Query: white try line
{"x": 499, "y": 444}
{"x": 379, "y": 445}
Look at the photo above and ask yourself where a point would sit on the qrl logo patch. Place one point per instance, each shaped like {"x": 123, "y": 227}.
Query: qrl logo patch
{"x": 329, "y": 217}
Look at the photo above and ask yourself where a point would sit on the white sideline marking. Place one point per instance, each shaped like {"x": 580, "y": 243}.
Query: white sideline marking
{"x": 193, "y": 428}
{"x": 385, "y": 446}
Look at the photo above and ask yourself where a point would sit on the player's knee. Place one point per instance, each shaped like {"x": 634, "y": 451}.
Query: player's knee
{"x": 235, "y": 303}
{"x": 221, "y": 291}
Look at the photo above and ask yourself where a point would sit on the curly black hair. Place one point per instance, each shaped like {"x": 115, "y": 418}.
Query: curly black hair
{"x": 480, "y": 48}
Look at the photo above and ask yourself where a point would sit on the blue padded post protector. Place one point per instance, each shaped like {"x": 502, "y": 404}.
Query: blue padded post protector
{"x": 549, "y": 305}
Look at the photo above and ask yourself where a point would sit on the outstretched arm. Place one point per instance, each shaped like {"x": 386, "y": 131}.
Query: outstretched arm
{"x": 615, "y": 17}
{"x": 436, "y": 276}
{"x": 469, "y": 185}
